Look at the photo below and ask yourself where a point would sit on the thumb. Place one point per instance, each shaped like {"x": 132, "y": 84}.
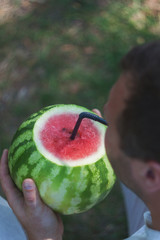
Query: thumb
{"x": 30, "y": 192}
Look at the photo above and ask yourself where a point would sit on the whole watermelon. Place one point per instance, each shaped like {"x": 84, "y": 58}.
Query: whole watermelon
{"x": 71, "y": 175}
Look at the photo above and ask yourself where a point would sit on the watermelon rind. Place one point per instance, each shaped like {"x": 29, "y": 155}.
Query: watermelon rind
{"x": 67, "y": 187}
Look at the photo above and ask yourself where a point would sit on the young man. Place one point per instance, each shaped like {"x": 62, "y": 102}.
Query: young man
{"x": 132, "y": 143}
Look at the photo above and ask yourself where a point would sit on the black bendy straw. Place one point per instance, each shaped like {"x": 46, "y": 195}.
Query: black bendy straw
{"x": 86, "y": 115}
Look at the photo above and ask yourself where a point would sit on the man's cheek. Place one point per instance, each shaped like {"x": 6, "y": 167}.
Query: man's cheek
{"x": 107, "y": 140}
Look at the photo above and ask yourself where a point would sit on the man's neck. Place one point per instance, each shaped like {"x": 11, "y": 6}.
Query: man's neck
{"x": 155, "y": 214}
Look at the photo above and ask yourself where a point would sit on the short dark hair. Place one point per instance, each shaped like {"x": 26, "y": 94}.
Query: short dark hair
{"x": 139, "y": 123}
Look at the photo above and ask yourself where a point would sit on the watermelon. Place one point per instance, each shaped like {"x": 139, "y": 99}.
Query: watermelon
{"x": 71, "y": 175}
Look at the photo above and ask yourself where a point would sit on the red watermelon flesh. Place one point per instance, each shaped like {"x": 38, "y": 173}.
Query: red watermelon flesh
{"x": 55, "y": 137}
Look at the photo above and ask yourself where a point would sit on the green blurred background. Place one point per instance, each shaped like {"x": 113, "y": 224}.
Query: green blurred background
{"x": 68, "y": 52}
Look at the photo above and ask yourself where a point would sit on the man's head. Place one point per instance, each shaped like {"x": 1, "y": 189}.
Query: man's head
{"x": 133, "y": 114}
{"x": 139, "y": 124}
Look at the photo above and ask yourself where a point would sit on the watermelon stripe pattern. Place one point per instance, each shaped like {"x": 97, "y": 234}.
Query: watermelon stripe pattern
{"x": 67, "y": 189}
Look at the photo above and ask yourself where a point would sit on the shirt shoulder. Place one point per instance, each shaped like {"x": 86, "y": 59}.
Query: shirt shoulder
{"x": 139, "y": 235}
{"x": 146, "y": 233}
{"x": 10, "y": 228}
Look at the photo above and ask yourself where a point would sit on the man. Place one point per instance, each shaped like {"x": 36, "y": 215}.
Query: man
{"x": 132, "y": 143}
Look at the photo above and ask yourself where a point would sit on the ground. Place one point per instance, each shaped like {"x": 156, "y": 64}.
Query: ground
{"x": 69, "y": 52}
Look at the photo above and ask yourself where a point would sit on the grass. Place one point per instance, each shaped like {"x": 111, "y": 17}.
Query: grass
{"x": 69, "y": 52}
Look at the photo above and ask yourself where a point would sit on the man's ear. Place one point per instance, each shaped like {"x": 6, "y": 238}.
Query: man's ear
{"x": 153, "y": 176}
{"x": 147, "y": 174}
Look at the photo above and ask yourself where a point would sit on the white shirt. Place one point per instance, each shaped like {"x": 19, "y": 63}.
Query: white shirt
{"x": 10, "y": 228}
{"x": 146, "y": 233}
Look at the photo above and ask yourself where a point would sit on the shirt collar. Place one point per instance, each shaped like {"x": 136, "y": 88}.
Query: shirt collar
{"x": 150, "y": 233}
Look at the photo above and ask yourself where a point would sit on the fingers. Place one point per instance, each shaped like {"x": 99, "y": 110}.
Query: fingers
{"x": 4, "y": 160}
{"x": 11, "y": 192}
{"x": 38, "y": 220}
{"x": 97, "y": 112}
{"x": 30, "y": 192}
{"x": 61, "y": 227}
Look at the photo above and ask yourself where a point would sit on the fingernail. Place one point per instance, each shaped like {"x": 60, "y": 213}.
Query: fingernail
{"x": 5, "y": 151}
{"x": 28, "y": 185}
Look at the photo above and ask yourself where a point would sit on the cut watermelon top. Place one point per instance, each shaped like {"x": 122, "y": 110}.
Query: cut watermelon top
{"x": 55, "y": 137}
{"x": 52, "y": 133}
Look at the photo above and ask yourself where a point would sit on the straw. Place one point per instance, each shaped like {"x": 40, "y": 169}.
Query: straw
{"x": 86, "y": 115}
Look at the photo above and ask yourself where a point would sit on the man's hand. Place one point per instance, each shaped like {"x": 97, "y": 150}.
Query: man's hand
{"x": 38, "y": 220}
{"x": 95, "y": 110}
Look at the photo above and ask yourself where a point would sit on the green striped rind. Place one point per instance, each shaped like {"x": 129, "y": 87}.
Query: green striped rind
{"x": 65, "y": 189}
{"x": 22, "y": 142}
